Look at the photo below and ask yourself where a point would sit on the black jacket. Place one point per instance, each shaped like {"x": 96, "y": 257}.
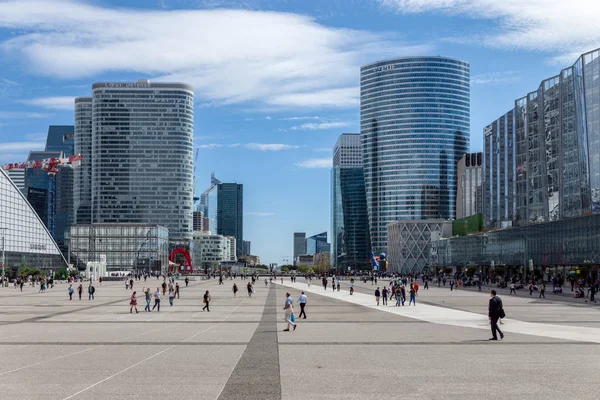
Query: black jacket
{"x": 495, "y": 307}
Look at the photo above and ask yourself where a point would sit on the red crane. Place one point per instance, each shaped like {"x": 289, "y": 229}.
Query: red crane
{"x": 49, "y": 164}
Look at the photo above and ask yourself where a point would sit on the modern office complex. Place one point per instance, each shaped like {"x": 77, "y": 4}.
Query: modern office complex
{"x": 541, "y": 159}
{"x": 317, "y": 244}
{"x": 410, "y": 243}
{"x": 350, "y": 219}
{"x": 469, "y": 193}
{"x": 415, "y": 117}
{"x": 247, "y": 247}
{"x": 61, "y": 138}
{"x": 125, "y": 247}
{"x": 141, "y": 152}
{"x": 198, "y": 224}
{"x": 64, "y": 212}
{"x": 211, "y": 250}
{"x": 26, "y": 241}
{"x": 299, "y": 244}
{"x": 230, "y": 213}
{"x": 18, "y": 177}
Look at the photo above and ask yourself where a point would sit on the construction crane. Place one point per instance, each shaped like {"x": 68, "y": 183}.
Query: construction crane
{"x": 50, "y": 165}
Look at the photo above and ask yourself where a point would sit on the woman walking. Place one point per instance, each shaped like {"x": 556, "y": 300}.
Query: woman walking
{"x": 250, "y": 290}
{"x": 235, "y": 290}
{"x": 148, "y": 299}
{"x": 71, "y": 291}
{"x": 413, "y": 298}
{"x": 206, "y": 301}
{"x": 133, "y": 304}
{"x": 171, "y": 295}
{"x": 80, "y": 290}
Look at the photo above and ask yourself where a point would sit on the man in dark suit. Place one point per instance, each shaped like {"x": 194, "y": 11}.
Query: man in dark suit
{"x": 495, "y": 311}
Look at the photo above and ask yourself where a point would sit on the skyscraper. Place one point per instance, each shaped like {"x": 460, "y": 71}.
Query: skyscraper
{"x": 61, "y": 138}
{"x": 299, "y": 244}
{"x": 349, "y": 215}
{"x": 415, "y": 117}
{"x": 247, "y": 248}
{"x": 230, "y": 213}
{"x": 469, "y": 193}
{"x": 141, "y": 152}
{"x": 317, "y": 244}
{"x": 82, "y": 187}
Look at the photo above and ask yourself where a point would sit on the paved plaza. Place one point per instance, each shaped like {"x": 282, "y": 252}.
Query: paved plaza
{"x": 348, "y": 348}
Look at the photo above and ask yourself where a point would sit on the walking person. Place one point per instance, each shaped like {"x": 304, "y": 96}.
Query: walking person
{"x": 512, "y": 288}
{"x": 71, "y": 291}
{"x": 495, "y": 312}
{"x": 302, "y": 300}
{"x": 338, "y": 284}
{"x": 148, "y": 299}
{"x": 156, "y": 299}
{"x": 403, "y": 294}
{"x": 530, "y": 288}
{"x": 171, "y": 295}
{"x": 80, "y": 290}
{"x": 250, "y": 289}
{"x": 451, "y": 285}
{"x": 384, "y": 294}
{"x": 177, "y": 290}
{"x": 91, "y": 291}
{"x": 377, "y": 295}
{"x": 413, "y": 296}
{"x": 206, "y": 301}
{"x": 351, "y": 286}
{"x": 542, "y": 290}
{"x": 398, "y": 294}
{"x": 187, "y": 281}
{"x": 235, "y": 290}
{"x": 133, "y": 303}
{"x": 289, "y": 312}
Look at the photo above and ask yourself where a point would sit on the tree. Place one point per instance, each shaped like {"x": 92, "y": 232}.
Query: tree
{"x": 285, "y": 268}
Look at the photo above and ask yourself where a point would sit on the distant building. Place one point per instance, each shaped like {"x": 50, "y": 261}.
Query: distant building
{"x": 198, "y": 221}
{"x": 64, "y": 215}
{"x": 18, "y": 178}
{"x": 209, "y": 250}
{"x": 247, "y": 248}
{"x": 252, "y": 260}
{"x": 322, "y": 261}
{"x": 82, "y": 200}
{"x": 38, "y": 198}
{"x": 469, "y": 192}
{"x": 317, "y": 244}
{"x": 299, "y": 244}
{"x": 232, "y": 248}
{"x": 305, "y": 260}
{"x": 61, "y": 138}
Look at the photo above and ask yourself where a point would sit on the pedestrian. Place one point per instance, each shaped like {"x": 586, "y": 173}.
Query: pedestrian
{"x": 338, "y": 284}
{"x": 398, "y": 294}
{"x": 451, "y": 285}
{"x": 71, "y": 291}
{"x": 206, "y": 301}
{"x": 133, "y": 303}
{"x": 80, "y": 290}
{"x": 250, "y": 289}
{"x": 377, "y": 295}
{"x": 164, "y": 288}
{"x": 403, "y": 294}
{"x": 325, "y": 283}
{"x": 413, "y": 296}
{"x": 235, "y": 290}
{"x": 126, "y": 284}
{"x": 384, "y": 294}
{"x": 542, "y": 290}
{"x": 187, "y": 280}
{"x": 91, "y": 291}
{"x": 351, "y": 286}
{"x": 512, "y": 288}
{"x": 131, "y": 283}
{"x": 289, "y": 312}
{"x": 177, "y": 290}
{"x": 156, "y": 299}
{"x": 171, "y": 295}
{"x": 495, "y": 312}
{"x": 302, "y": 300}
{"x": 530, "y": 288}
{"x": 426, "y": 284}
{"x": 148, "y": 299}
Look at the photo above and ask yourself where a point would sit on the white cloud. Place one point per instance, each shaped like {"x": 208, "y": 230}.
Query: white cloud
{"x": 313, "y": 126}
{"x": 19, "y": 114}
{"x": 53, "y": 103}
{"x": 210, "y": 146}
{"x": 547, "y": 25}
{"x": 493, "y": 78}
{"x": 316, "y": 163}
{"x": 270, "y": 146}
{"x": 261, "y": 214}
{"x": 22, "y": 146}
{"x": 300, "y": 118}
{"x": 275, "y": 59}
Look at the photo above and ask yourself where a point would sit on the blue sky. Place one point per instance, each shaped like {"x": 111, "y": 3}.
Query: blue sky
{"x": 276, "y": 80}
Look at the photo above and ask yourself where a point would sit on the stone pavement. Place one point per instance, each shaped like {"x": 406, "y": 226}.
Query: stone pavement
{"x": 348, "y": 348}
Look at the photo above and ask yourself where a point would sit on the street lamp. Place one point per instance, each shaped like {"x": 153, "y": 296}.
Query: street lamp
{"x": 3, "y": 246}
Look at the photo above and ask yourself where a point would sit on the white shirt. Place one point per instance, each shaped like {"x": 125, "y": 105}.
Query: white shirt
{"x": 302, "y": 299}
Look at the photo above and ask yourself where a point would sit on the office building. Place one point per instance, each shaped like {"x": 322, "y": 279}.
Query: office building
{"x": 141, "y": 154}
{"x": 208, "y": 204}
{"x": 305, "y": 260}
{"x": 64, "y": 212}
{"x": 469, "y": 193}
{"x": 232, "y": 248}
{"x": 82, "y": 196}
{"x": 198, "y": 221}
{"x": 38, "y": 198}
{"x": 541, "y": 159}
{"x": 299, "y": 244}
{"x": 26, "y": 240}
{"x": 18, "y": 178}
{"x": 209, "y": 250}
{"x": 126, "y": 247}
{"x": 410, "y": 243}
{"x": 322, "y": 261}
{"x": 230, "y": 213}
{"x": 61, "y": 138}
{"x": 350, "y": 219}
{"x": 415, "y": 118}
{"x": 247, "y": 249}
{"x": 317, "y": 244}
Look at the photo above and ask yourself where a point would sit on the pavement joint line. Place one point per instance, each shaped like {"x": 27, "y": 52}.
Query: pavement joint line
{"x": 53, "y": 359}
{"x": 118, "y": 373}
{"x": 211, "y": 344}
{"x": 108, "y": 344}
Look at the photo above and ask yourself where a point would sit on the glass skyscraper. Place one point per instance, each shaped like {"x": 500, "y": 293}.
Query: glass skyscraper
{"x": 415, "y": 118}
{"x": 349, "y": 217}
{"x": 61, "y": 138}
{"x": 141, "y": 152}
{"x": 230, "y": 213}
{"x": 542, "y": 158}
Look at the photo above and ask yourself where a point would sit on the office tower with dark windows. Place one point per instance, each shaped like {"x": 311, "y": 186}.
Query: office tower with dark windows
{"x": 542, "y": 158}
{"x": 61, "y": 138}
{"x": 247, "y": 248}
{"x": 142, "y": 155}
{"x": 82, "y": 187}
{"x": 317, "y": 244}
{"x": 299, "y": 244}
{"x": 349, "y": 216}
{"x": 415, "y": 119}
{"x": 198, "y": 221}
{"x": 469, "y": 171}
{"x": 230, "y": 213}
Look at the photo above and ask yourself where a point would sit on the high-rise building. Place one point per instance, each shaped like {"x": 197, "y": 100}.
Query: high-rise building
{"x": 469, "y": 200}
{"x": 61, "y": 138}
{"x": 350, "y": 218}
{"x": 198, "y": 221}
{"x": 38, "y": 198}
{"x": 63, "y": 211}
{"x": 247, "y": 249}
{"x": 232, "y": 248}
{"x": 141, "y": 154}
{"x": 541, "y": 159}
{"x": 415, "y": 118}
{"x": 18, "y": 177}
{"x": 317, "y": 244}
{"x": 230, "y": 213}
{"x": 82, "y": 187}
{"x": 299, "y": 244}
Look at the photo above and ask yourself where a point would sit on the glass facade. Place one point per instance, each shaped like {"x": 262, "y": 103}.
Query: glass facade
{"x": 127, "y": 247}
{"x": 142, "y": 155}
{"x": 317, "y": 244}
{"x": 82, "y": 196}
{"x": 230, "y": 213}
{"x": 415, "y": 119}
{"x": 27, "y": 242}
{"x": 299, "y": 245}
{"x": 64, "y": 210}
{"x": 61, "y": 138}
{"x": 556, "y": 132}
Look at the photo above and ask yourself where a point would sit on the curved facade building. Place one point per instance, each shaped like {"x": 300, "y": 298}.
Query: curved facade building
{"x": 82, "y": 194}
{"x": 142, "y": 155}
{"x": 415, "y": 118}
